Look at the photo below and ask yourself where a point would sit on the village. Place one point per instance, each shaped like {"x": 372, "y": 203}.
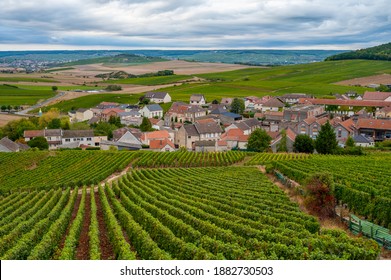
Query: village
{"x": 221, "y": 125}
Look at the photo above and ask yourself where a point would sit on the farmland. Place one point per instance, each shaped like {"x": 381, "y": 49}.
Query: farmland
{"x": 12, "y": 95}
{"x": 194, "y": 213}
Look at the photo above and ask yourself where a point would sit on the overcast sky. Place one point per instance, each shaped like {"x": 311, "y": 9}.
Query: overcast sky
{"x": 193, "y": 24}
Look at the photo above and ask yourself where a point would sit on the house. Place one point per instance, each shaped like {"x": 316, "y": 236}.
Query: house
{"x": 293, "y": 98}
{"x": 146, "y": 137}
{"x": 123, "y": 139}
{"x": 110, "y": 112}
{"x": 384, "y": 113}
{"x": 197, "y": 99}
{"x": 83, "y": 137}
{"x": 53, "y": 136}
{"x": 229, "y": 118}
{"x": 6, "y": 145}
{"x": 311, "y": 126}
{"x": 158, "y": 97}
{"x": 290, "y": 140}
{"x": 132, "y": 117}
{"x": 260, "y": 101}
{"x": 378, "y": 129}
{"x": 235, "y": 138}
{"x": 377, "y": 96}
{"x": 189, "y": 133}
{"x": 81, "y": 115}
{"x": 151, "y": 111}
{"x": 217, "y": 109}
{"x": 205, "y": 146}
{"x": 247, "y": 126}
{"x": 107, "y": 105}
{"x": 273, "y": 104}
{"x": 363, "y": 141}
{"x": 163, "y": 145}
{"x": 226, "y": 101}
{"x": 299, "y": 113}
{"x": 343, "y": 130}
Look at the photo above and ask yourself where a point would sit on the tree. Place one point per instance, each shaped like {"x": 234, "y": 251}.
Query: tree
{"x": 15, "y": 129}
{"x": 145, "y": 101}
{"x": 54, "y": 88}
{"x": 283, "y": 142}
{"x": 259, "y": 140}
{"x": 54, "y": 123}
{"x": 326, "y": 142}
{"x": 350, "y": 142}
{"x": 3, "y": 107}
{"x": 39, "y": 142}
{"x": 237, "y": 106}
{"x": 319, "y": 197}
{"x": 105, "y": 129}
{"x": 146, "y": 125}
{"x": 46, "y": 118}
{"x": 115, "y": 121}
{"x": 303, "y": 144}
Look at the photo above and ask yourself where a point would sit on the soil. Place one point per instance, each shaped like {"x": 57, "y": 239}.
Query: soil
{"x": 6, "y": 118}
{"x": 83, "y": 248}
{"x": 107, "y": 252}
{"x": 384, "y": 79}
{"x": 74, "y": 213}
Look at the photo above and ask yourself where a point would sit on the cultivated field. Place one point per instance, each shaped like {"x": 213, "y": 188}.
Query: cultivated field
{"x": 6, "y": 118}
{"x": 194, "y": 213}
{"x": 384, "y": 79}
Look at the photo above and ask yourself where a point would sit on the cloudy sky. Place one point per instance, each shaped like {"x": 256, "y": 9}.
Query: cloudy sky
{"x": 193, "y": 24}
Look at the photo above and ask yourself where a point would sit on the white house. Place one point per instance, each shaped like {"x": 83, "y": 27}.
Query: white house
{"x": 363, "y": 141}
{"x": 81, "y": 115}
{"x": 158, "y": 97}
{"x": 197, "y": 99}
{"x": 151, "y": 111}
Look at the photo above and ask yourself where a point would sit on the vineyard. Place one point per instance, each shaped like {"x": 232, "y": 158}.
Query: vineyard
{"x": 362, "y": 182}
{"x": 170, "y": 213}
{"x": 45, "y": 170}
{"x": 264, "y": 158}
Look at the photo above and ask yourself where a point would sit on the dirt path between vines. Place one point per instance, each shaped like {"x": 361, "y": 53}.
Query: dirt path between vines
{"x": 83, "y": 248}
{"x": 106, "y": 249}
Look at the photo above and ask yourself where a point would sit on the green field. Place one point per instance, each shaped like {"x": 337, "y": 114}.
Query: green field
{"x": 232, "y": 213}
{"x": 151, "y": 81}
{"x": 92, "y": 100}
{"x": 10, "y": 95}
{"x": 60, "y": 88}
{"x": 25, "y": 79}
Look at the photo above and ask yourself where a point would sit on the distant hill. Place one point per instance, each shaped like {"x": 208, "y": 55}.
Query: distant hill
{"x": 117, "y": 59}
{"x": 382, "y": 52}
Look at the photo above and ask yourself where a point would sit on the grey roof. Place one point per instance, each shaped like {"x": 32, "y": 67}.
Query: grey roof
{"x": 219, "y": 110}
{"x": 196, "y": 97}
{"x": 121, "y": 144}
{"x": 154, "y": 107}
{"x": 274, "y": 102}
{"x": 10, "y": 145}
{"x": 231, "y": 115}
{"x": 195, "y": 109}
{"x": 211, "y": 127}
{"x": 204, "y": 143}
{"x": 362, "y": 139}
{"x": 130, "y": 113}
{"x": 52, "y": 132}
{"x": 252, "y": 122}
{"x": 191, "y": 130}
{"x": 78, "y": 133}
{"x": 93, "y": 120}
{"x": 158, "y": 95}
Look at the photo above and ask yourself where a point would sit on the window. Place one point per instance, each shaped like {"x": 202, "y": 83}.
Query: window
{"x": 339, "y": 133}
{"x": 49, "y": 138}
{"x": 89, "y": 139}
{"x": 67, "y": 140}
{"x": 82, "y": 139}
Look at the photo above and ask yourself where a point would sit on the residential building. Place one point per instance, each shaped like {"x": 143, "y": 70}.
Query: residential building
{"x": 7, "y": 146}
{"x": 163, "y": 145}
{"x": 205, "y": 146}
{"x": 229, "y": 118}
{"x": 227, "y": 101}
{"x": 84, "y": 137}
{"x": 299, "y": 113}
{"x": 235, "y": 138}
{"x": 384, "y": 113}
{"x": 110, "y": 112}
{"x": 53, "y": 136}
{"x": 158, "y": 97}
{"x": 247, "y": 126}
{"x": 363, "y": 141}
{"x": 290, "y": 140}
{"x": 311, "y": 126}
{"x": 197, "y": 99}
{"x": 128, "y": 141}
{"x": 274, "y": 104}
{"x": 146, "y": 137}
{"x": 132, "y": 117}
{"x": 293, "y": 98}
{"x": 151, "y": 111}
{"x": 81, "y": 115}
{"x": 189, "y": 133}
{"x": 378, "y": 129}
{"x": 377, "y": 96}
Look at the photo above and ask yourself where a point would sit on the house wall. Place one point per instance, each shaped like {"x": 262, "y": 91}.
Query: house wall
{"x": 85, "y": 116}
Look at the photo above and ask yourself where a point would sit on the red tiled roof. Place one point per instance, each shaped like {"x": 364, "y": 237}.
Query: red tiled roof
{"x": 33, "y": 133}
{"x": 222, "y": 143}
{"x": 154, "y": 121}
{"x": 351, "y": 103}
{"x": 348, "y": 124}
{"x": 376, "y": 95}
{"x": 291, "y": 134}
{"x": 209, "y": 120}
{"x": 160, "y": 134}
{"x": 115, "y": 110}
{"x": 160, "y": 144}
{"x": 374, "y": 124}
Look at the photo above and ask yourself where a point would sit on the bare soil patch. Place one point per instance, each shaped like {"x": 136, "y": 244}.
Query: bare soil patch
{"x": 365, "y": 81}
{"x": 83, "y": 248}
{"x": 6, "y": 118}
